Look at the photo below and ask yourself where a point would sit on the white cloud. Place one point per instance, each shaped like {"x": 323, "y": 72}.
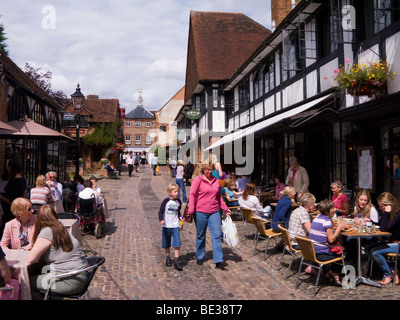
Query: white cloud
{"x": 112, "y": 48}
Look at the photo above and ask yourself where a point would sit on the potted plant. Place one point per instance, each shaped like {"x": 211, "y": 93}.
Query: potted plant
{"x": 365, "y": 79}
{"x": 103, "y": 161}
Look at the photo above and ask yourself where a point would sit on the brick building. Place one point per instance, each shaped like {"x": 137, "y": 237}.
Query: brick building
{"x": 137, "y": 126}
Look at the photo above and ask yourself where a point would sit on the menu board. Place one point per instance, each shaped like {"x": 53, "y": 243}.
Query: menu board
{"x": 366, "y": 168}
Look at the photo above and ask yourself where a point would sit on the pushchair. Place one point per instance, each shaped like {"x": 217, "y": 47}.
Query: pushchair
{"x": 92, "y": 219}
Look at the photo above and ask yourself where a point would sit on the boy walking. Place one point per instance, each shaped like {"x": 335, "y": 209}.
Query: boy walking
{"x": 169, "y": 216}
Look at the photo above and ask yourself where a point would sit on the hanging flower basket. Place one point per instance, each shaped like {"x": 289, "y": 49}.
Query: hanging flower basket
{"x": 368, "y": 79}
{"x": 103, "y": 161}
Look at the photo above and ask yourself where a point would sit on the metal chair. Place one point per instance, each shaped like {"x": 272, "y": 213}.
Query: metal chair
{"x": 308, "y": 251}
{"x": 264, "y": 233}
{"x": 94, "y": 262}
{"x": 287, "y": 248}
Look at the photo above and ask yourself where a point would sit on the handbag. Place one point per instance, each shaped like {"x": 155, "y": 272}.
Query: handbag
{"x": 337, "y": 249}
{"x": 189, "y": 217}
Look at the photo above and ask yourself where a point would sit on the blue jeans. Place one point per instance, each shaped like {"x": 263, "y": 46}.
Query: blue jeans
{"x": 377, "y": 252}
{"x": 181, "y": 184}
{"x": 213, "y": 221}
{"x": 154, "y": 169}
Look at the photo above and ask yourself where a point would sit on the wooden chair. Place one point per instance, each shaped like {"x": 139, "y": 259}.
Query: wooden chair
{"x": 287, "y": 248}
{"x": 308, "y": 251}
{"x": 264, "y": 233}
{"x": 247, "y": 215}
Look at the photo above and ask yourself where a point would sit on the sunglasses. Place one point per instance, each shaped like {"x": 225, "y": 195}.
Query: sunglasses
{"x": 52, "y": 177}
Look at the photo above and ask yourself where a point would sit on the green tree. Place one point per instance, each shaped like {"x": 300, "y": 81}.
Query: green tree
{"x": 3, "y": 38}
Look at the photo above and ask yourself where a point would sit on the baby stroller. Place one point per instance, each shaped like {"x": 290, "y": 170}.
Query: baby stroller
{"x": 92, "y": 218}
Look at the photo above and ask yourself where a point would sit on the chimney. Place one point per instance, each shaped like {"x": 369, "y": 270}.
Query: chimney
{"x": 280, "y": 9}
{"x": 92, "y": 96}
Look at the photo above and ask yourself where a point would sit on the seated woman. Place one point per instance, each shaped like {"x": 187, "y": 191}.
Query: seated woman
{"x": 230, "y": 195}
{"x": 6, "y": 281}
{"x": 61, "y": 251}
{"x": 18, "y": 233}
{"x": 250, "y": 201}
{"x": 364, "y": 212}
{"x": 322, "y": 231}
{"x": 364, "y": 209}
{"x": 283, "y": 208}
{"x": 41, "y": 194}
{"x": 340, "y": 199}
{"x": 389, "y": 222}
{"x": 279, "y": 186}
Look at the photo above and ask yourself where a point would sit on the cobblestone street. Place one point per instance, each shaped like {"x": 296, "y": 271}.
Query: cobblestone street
{"x": 135, "y": 263}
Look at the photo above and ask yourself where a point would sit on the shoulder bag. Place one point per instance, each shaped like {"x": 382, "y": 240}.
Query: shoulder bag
{"x": 189, "y": 217}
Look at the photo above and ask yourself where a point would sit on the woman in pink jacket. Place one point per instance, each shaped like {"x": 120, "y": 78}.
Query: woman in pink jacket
{"x": 205, "y": 202}
{"x": 19, "y": 232}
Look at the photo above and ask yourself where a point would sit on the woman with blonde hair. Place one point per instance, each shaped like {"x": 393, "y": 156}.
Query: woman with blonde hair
{"x": 205, "y": 203}
{"x": 18, "y": 233}
{"x": 41, "y": 194}
{"x": 230, "y": 194}
{"x": 61, "y": 251}
{"x": 389, "y": 222}
{"x": 364, "y": 208}
{"x": 283, "y": 208}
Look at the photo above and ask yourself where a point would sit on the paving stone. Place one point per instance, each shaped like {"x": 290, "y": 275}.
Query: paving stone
{"x": 135, "y": 262}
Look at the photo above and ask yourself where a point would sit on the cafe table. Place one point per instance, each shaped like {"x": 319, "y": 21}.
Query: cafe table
{"x": 17, "y": 260}
{"x": 359, "y": 235}
{"x": 72, "y": 226}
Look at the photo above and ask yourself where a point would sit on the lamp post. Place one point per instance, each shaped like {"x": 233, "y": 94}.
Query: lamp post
{"x": 77, "y": 100}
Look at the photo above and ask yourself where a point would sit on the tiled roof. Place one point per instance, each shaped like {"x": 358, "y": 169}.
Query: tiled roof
{"x": 139, "y": 113}
{"x": 15, "y": 76}
{"x": 219, "y": 43}
{"x": 102, "y": 110}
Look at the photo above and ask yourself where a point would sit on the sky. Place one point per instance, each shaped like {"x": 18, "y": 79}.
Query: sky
{"x": 114, "y": 48}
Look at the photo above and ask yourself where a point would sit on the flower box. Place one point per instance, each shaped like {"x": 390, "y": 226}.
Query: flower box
{"x": 368, "y": 79}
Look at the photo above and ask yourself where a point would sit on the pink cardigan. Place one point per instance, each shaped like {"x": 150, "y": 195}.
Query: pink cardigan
{"x": 209, "y": 199}
{"x": 11, "y": 233}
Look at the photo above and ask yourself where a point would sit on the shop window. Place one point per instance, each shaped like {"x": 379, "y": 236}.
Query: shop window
{"x": 391, "y": 160}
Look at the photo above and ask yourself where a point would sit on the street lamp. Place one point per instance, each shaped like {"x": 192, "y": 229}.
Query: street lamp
{"x": 77, "y": 100}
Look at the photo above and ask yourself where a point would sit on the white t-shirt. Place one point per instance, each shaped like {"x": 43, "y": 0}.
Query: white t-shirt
{"x": 252, "y": 203}
{"x": 179, "y": 172}
{"x": 373, "y": 215}
{"x": 88, "y": 193}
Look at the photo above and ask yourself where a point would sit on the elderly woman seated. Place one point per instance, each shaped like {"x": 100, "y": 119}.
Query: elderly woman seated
{"x": 18, "y": 233}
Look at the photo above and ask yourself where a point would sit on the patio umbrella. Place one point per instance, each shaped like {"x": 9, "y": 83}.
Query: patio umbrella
{"x": 30, "y": 129}
{"x": 6, "y": 128}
